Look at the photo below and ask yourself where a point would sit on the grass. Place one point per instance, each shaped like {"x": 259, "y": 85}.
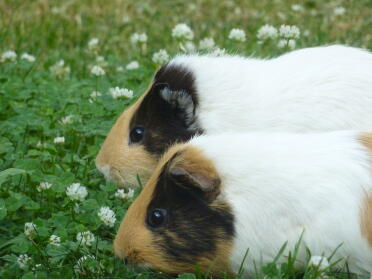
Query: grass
{"x": 34, "y": 100}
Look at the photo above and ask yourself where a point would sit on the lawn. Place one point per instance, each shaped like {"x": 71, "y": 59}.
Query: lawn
{"x": 69, "y": 68}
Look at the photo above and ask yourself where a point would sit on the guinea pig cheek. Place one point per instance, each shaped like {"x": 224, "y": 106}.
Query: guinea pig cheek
{"x": 133, "y": 161}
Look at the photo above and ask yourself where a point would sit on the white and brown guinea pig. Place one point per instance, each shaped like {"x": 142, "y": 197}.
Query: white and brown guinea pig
{"x": 314, "y": 89}
{"x": 211, "y": 199}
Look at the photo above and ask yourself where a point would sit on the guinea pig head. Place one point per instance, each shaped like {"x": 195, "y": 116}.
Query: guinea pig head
{"x": 166, "y": 114}
{"x": 180, "y": 220}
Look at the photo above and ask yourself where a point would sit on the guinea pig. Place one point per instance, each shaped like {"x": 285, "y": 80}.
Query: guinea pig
{"x": 314, "y": 89}
{"x": 211, "y": 200}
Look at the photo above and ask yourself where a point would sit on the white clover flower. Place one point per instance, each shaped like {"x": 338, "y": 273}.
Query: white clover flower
{"x": 122, "y": 195}
{"x": 80, "y": 263}
{"x": 320, "y": 261}
{"x": 55, "y": 240}
{"x": 23, "y": 260}
{"x": 59, "y": 69}
{"x": 291, "y": 44}
{"x": 85, "y": 238}
{"x": 36, "y": 267}
{"x": 218, "y": 52}
{"x": 125, "y": 19}
{"x": 237, "y": 35}
{"x": 132, "y": 65}
{"x": 118, "y": 92}
{"x": 192, "y": 6}
{"x": 43, "y": 186}
{"x": 206, "y": 43}
{"x": 119, "y": 69}
{"x": 267, "y": 32}
{"x": 314, "y": 12}
{"x": 339, "y": 11}
{"x": 30, "y": 229}
{"x": 95, "y": 94}
{"x": 93, "y": 43}
{"x": 8, "y": 55}
{"x": 57, "y": 10}
{"x": 282, "y": 43}
{"x": 101, "y": 61}
{"x": 182, "y": 31}
{"x": 297, "y": 8}
{"x": 28, "y": 57}
{"x": 188, "y": 46}
{"x": 138, "y": 38}
{"x": 59, "y": 140}
{"x": 97, "y": 71}
{"x": 287, "y": 43}
{"x": 107, "y": 216}
{"x": 237, "y": 11}
{"x": 160, "y": 57}
{"x": 76, "y": 192}
{"x": 289, "y": 31}
{"x": 68, "y": 119}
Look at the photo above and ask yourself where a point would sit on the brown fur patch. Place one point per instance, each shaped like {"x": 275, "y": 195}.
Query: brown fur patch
{"x": 125, "y": 161}
{"x": 193, "y": 160}
{"x": 140, "y": 245}
{"x": 198, "y": 169}
{"x": 366, "y": 214}
{"x": 366, "y": 139}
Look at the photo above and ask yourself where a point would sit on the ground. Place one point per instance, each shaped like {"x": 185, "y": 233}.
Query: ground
{"x": 52, "y": 124}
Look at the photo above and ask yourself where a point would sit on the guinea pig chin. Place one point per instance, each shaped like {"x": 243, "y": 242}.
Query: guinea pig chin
{"x": 135, "y": 251}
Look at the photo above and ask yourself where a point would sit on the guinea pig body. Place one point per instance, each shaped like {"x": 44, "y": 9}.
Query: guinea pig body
{"x": 314, "y": 89}
{"x": 214, "y": 198}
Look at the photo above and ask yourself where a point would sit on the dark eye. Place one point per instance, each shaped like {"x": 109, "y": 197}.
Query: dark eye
{"x": 136, "y": 135}
{"x": 156, "y": 217}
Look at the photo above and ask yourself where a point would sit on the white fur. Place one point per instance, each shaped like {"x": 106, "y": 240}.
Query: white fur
{"x": 283, "y": 185}
{"x": 312, "y": 89}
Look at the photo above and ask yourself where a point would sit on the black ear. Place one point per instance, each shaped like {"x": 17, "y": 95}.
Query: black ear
{"x": 175, "y": 84}
{"x": 182, "y": 102}
{"x": 195, "y": 172}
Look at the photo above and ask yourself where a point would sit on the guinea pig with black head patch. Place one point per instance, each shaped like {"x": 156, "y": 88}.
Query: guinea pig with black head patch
{"x": 215, "y": 197}
{"x": 314, "y": 89}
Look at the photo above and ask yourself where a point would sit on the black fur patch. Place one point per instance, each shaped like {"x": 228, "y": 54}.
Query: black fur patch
{"x": 161, "y": 121}
{"x": 193, "y": 227}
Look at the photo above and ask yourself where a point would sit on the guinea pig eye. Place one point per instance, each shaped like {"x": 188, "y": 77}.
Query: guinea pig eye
{"x": 136, "y": 135}
{"x": 156, "y": 217}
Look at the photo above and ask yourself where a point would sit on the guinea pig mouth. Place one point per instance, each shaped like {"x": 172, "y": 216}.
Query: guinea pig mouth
{"x": 138, "y": 266}
{"x": 117, "y": 177}
{"x": 105, "y": 170}
{"x": 130, "y": 181}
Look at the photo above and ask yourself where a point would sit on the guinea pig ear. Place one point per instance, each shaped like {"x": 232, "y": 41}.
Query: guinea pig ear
{"x": 182, "y": 102}
{"x": 197, "y": 173}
